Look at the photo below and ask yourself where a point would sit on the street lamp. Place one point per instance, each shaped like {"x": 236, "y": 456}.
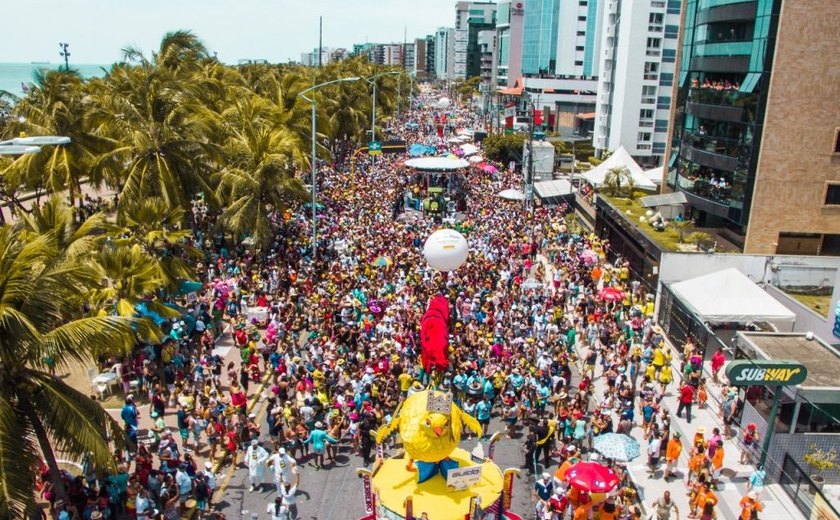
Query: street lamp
{"x": 373, "y": 104}
{"x": 314, "y": 164}
{"x": 27, "y": 145}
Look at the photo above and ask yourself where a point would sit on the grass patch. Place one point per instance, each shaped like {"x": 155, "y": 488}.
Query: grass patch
{"x": 819, "y": 303}
{"x": 668, "y": 240}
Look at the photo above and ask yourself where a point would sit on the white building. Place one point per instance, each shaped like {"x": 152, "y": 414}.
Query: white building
{"x": 443, "y": 54}
{"x": 638, "y": 61}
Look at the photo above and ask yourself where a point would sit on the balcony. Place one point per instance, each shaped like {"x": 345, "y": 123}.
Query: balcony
{"x": 743, "y": 48}
{"x": 655, "y": 28}
{"x": 703, "y": 157}
{"x": 653, "y": 52}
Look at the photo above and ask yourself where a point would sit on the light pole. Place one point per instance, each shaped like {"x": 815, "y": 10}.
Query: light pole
{"x": 64, "y": 53}
{"x": 314, "y": 158}
{"x": 372, "y": 81}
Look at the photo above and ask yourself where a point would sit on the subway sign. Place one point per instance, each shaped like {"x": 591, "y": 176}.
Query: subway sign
{"x": 745, "y": 372}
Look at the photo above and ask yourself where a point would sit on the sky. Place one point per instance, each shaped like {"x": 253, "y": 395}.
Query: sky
{"x": 276, "y": 30}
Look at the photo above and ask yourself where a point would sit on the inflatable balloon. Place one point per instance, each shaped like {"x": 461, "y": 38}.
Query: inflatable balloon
{"x": 444, "y": 102}
{"x": 446, "y": 250}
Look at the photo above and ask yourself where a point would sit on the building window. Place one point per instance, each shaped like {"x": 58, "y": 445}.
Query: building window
{"x": 583, "y": 3}
{"x": 646, "y": 113}
{"x": 644, "y": 137}
{"x": 581, "y": 33}
{"x": 832, "y": 195}
{"x": 654, "y": 43}
{"x": 581, "y": 18}
{"x": 579, "y": 48}
{"x": 837, "y": 140}
{"x": 651, "y": 70}
{"x": 578, "y": 64}
{"x": 656, "y": 18}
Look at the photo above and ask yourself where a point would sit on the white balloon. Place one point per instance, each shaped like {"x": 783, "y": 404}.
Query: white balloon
{"x": 446, "y": 250}
{"x": 444, "y": 102}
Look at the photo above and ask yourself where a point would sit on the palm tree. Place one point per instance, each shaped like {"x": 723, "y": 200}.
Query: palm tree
{"x": 617, "y": 181}
{"x": 258, "y": 179}
{"x": 55, "y": 106}
{"x": 40, "y": 319}
{"x": 158, "y": 143}
{"x": 157, "y": 230}
{"x": 56, "y": 220}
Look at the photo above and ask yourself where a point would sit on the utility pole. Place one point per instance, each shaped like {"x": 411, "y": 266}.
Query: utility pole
{"x": 320, "y": 39}
{"x": 529, "y": 194}
{"x": 65, "y": 54}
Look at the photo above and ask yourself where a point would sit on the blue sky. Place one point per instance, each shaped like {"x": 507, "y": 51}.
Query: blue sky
{"x": 276, "y": 30}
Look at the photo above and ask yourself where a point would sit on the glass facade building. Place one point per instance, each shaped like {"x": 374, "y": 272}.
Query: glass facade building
{"x": 727, "y": 54}
{"x": 539, "y": 37}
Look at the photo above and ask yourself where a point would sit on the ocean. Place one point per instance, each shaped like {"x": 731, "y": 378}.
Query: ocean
{"x": 12, "y": 75}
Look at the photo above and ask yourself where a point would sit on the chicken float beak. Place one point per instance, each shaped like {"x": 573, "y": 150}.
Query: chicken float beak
{"x": 438, "y": 431}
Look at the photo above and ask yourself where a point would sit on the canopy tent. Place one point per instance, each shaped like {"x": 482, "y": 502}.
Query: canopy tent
{"x": 438, "y": 164}
{"x": 469, "y": 149}
{"x": 655, "y": 175}
{"x": 553, "y": 192}
{"x": 619, "y": 159}
{"x": 511, "y": 194}
{"x": 729, "y": 296}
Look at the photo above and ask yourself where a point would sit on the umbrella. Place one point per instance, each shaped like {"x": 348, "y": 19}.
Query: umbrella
{"x": 589, "y": 256}
{"x": 489, "y": 168}
{"x": 318, "y": 206}
{"x": 611, "y": 294}
{"x": 382, "y": 261}
{"x": 475, "y": 159}
{"x": 511, "y": 194}
{"x": 617, "y": 446}
{"x": 416, "y": 150}
{"x": 592, "y": 477}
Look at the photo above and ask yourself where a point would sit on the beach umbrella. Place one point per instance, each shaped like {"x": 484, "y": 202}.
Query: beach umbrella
{"x": 416, "y": 150}
{"x": 592, "y": 477}
{"x": 382, "y": 261}
{"x": 475, "y": 159}
{"x": 489, "y": 168}
{"x": 611, "y": 294}
{"x": 511, "y": 194}
{"x": 617, "y": 446}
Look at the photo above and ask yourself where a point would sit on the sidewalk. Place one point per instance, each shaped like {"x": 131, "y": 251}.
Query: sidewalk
{"x": 734, "y": 475}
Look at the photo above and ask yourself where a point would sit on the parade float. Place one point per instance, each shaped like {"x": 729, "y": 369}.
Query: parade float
{"x": 432, "y": 478}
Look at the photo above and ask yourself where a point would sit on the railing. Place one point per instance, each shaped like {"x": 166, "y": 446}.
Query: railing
{"x": 804, "y": 492}
{"x": 729, "y": 98}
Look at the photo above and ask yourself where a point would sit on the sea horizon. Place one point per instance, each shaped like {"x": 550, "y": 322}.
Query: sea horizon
{"x": 13, "y": 76}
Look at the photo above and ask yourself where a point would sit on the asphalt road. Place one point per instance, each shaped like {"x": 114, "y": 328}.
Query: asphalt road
{"x": 336, "y": 492}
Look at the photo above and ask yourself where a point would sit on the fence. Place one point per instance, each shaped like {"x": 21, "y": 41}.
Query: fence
{"x": 804, "y": 493}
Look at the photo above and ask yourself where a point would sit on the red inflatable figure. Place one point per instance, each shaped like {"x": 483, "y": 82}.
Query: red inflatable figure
{"x": 434, "y": 335}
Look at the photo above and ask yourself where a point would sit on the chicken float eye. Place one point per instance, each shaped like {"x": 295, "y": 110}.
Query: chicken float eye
{"x": 428, "y": 423}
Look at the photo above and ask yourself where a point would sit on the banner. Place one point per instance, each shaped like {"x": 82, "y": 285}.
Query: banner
{"x": 507, "y": 489}
{"x": 510, "y": 114}
{"x": 463, "y": 478}
{"x": 370, "y": 504}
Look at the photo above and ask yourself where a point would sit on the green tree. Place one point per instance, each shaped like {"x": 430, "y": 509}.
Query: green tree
{"x": 504, "y": 148}
{"x": 40, "y": 319}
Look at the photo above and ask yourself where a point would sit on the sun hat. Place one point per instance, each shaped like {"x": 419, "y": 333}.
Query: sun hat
{"x": 546, "y": 476}
{"x": 319, "y": 425}
{"x": 254, "y": 442}
{"x": 753, "y": 495}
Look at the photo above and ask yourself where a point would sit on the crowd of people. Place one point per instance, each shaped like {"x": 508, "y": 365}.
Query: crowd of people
{"x": 332, "y": 330}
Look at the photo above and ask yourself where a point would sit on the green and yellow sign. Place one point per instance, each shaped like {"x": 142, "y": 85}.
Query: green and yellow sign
{"x": 747, "y": 372}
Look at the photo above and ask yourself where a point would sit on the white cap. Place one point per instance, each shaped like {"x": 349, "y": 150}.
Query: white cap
{"x": 254, "y": 442}
{"x": 546, "y": 476}
{"x": 208, "y": 464}
{"x": 282, "y": 451}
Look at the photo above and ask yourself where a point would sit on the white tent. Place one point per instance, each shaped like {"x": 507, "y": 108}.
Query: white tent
{"x": 655, "y": 175}
{"x": 511, "y": 194}
{"x": 620, "y": 158}
{"x": 729, "y": 296}
{"x": 469, "y": 149}
{"x": 437, "y": 164}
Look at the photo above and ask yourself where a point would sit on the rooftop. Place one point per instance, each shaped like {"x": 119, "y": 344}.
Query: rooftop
{"x": 822, "y": 360}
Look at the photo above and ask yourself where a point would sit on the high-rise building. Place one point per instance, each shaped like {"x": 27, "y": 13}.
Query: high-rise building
{"x": 486, "y": 50}
{"x": 417, "y": 67}
{"x": 429, "y": 67}
{"x": 636, "y": 78}
{"x": 407, "y": 56}
{"x": 562, "y": 37}
{"x": 328, "y": 55}
{"x": 509, "y": 18}
{"x": 443, "y": 52}
{"x": 756, "y": 132}
{"x": 470, "y": 19}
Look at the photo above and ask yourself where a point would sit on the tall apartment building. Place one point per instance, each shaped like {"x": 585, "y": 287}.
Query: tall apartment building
{"x": 407, "y": 56}
{"x": 755, "y": 141}
{"x": 486, "y": 50}
{"x": 443, "y": 52}
{"x": 417, "y": 67}
{"x": 509, "y": 20}
{"x": 388, "y": 53}
{"x": 636, "y": 78}
{"x": 470, "y": 19}
{"x": 559, "y": 64}
{"x": 429, "y": 66}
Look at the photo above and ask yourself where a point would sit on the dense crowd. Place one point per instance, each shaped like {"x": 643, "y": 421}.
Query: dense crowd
{"x": 538, "y": 314}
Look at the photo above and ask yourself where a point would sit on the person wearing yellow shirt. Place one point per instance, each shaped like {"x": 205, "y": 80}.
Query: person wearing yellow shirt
{"x": 658, "y": 358}
{"x": 405, "y": 382}
{"x": 650, "y": 373}
{"x": 665, "y": 377}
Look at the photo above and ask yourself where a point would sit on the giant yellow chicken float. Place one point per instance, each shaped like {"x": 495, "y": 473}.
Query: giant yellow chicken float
{"x": 430, "y": 427}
